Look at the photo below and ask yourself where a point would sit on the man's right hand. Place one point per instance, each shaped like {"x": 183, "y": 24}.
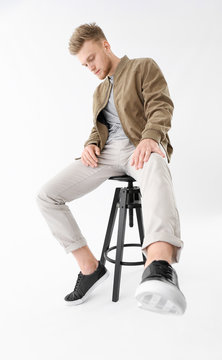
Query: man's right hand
{"x": 88, "y": 156}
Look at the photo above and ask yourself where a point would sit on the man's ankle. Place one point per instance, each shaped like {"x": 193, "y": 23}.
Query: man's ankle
{"x": 89, "y": 268}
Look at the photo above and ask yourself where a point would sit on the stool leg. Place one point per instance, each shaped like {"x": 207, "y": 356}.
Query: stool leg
{"x": 130, "y": 196}
{"x": 140, "y": 227}
{"x": 110, "y": 226}
{"x": 120, "y": 244}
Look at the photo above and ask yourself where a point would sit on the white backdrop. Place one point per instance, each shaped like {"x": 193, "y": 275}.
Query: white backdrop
{"x": 46, "y": 116}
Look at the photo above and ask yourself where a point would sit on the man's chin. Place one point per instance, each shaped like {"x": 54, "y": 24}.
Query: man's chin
{"x": 100, "y": 75}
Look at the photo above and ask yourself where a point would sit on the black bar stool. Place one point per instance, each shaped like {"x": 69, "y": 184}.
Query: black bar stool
{"x": 124, "y": 198}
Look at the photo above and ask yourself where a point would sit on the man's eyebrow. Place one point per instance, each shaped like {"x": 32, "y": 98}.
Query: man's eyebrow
{"x": 88, "y": 58}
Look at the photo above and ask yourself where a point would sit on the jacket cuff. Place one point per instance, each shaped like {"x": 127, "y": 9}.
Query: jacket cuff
{"x": 90, "y": 142}
{"x": 151, "y": 134}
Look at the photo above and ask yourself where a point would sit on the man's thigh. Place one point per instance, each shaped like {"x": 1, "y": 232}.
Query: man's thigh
{"x": 76, "y": 180}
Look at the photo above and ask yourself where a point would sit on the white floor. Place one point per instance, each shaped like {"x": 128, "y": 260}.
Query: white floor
{"x": 36, "y": 324}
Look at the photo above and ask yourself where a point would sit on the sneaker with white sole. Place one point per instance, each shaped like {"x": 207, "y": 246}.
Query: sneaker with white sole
{"x": 85, "y": 284}
{"x": 159, "y": 289}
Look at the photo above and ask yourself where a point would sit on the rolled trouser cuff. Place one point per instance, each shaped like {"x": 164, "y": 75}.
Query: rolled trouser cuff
{"x": 75, "y": 246}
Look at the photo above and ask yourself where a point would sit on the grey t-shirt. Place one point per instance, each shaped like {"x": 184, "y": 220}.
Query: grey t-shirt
{"x": 115, "y": 128}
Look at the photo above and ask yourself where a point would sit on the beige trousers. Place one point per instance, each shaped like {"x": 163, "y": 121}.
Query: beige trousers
{"x": 160, "y": 215}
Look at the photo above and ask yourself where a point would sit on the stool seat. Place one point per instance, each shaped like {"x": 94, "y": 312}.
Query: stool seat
{"x": 122, "y": 178}
{"x": 126, "y": 199}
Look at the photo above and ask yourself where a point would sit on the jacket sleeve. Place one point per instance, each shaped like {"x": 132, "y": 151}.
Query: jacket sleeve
{"x": 93, "y": 138}
{"x": 158, "y": 106}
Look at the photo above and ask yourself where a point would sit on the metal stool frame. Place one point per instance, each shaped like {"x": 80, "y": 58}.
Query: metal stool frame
{"x": 124, "y": 198}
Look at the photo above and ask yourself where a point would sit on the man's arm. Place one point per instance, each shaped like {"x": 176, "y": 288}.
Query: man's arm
{"x": 93, "y": 138}
{"x": 158, "y": 106}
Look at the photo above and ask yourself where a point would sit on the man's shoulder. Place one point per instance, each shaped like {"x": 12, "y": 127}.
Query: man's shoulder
{"x": 140, "y": 61}
{"x": 140, "y": 65}
{"x": 144, "y": 65}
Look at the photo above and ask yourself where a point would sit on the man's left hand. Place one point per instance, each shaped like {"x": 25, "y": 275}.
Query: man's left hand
{"x": 142, "y": 152}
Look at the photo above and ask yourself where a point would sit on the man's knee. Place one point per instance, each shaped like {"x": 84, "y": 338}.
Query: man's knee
{"x": 46, "y": 195}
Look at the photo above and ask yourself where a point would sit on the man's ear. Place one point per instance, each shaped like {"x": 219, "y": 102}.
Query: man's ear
{"x": 106, "y": 44}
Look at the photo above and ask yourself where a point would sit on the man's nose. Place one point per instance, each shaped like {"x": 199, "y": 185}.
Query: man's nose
{"x": 92, "y": 68}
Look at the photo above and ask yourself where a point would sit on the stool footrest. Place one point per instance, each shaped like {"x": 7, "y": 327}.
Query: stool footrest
{"x": 128, "y": 263}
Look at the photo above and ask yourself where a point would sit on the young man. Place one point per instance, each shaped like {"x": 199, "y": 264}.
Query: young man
{"x": 132, "y": 112}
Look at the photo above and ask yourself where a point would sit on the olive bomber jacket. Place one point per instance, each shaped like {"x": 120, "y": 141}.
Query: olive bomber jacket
{"x": 142, "y": 101}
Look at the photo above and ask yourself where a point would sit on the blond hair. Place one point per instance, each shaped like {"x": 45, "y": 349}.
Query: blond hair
{"x": 83, "y": 33}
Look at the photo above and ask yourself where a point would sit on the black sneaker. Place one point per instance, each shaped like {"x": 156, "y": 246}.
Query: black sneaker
{"x": 159, "y": 290}
{"x": 85, "y": 284}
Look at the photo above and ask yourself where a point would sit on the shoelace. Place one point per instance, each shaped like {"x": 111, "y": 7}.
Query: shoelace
{"x": 165, "y": 271}
{"x": 80, "y": 275}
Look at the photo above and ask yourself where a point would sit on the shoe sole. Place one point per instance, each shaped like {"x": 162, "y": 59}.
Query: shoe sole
{"x": 158, "y": 296}
{"x": 88, "y": 293}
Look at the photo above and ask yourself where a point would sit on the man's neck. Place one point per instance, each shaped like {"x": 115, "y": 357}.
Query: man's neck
{"x": 116, "y": 61}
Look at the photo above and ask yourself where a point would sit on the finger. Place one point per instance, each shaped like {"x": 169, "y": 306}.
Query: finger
{"x": 92, "y": 160}
{"x": 92, "y": 155}
{"x": 136, "y": 160}
{"x": 147, "y": 155}
{"x": 89, "y": 161}
{"x": 83, "y": 161}
{"x": 98, "y": 151}
{"x": 141, "y": 160}
{"x": 160, "y": 152}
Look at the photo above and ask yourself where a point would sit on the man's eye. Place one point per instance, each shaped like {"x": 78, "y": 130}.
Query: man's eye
{"x": 90, "y": 60}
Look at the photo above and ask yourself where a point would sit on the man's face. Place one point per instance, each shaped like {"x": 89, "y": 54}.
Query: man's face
{"x": 96, "y": 56}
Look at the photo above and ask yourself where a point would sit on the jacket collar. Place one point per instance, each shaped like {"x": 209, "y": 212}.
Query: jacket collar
{"x": 119, "y": 67}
